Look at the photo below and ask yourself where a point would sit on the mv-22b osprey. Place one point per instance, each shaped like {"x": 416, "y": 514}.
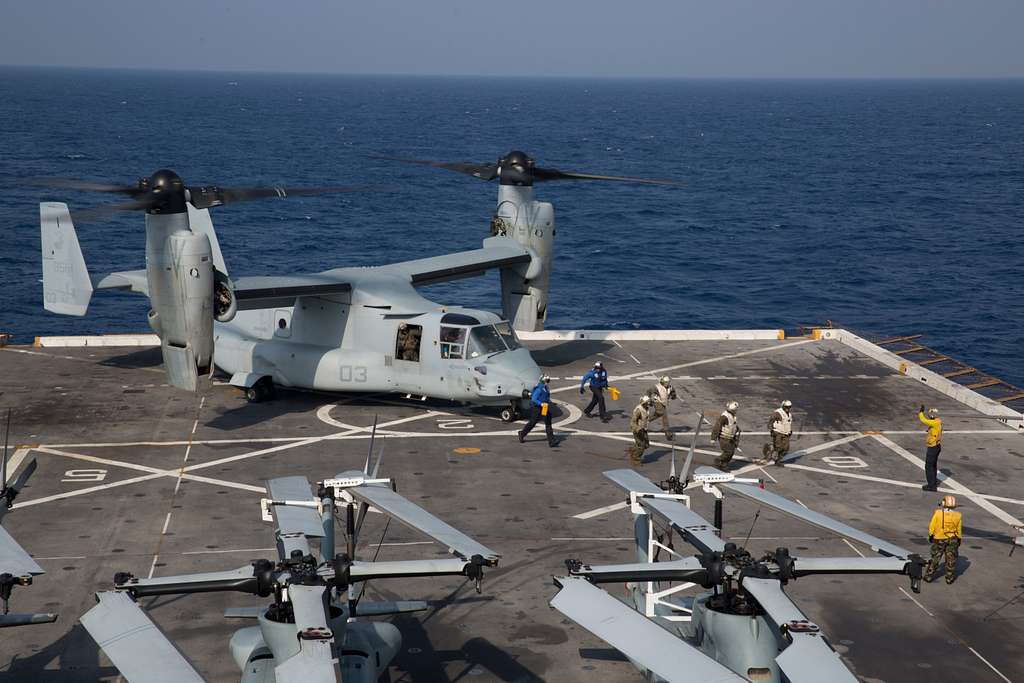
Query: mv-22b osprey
{"x": 345, "y": 329}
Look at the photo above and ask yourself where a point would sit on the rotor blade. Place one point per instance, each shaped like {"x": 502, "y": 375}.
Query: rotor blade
{"x": 207, "y": 197}
{"x": 314, "y": 662}
{"x": 637, "y": 637}
{"x": 816, "y": 518}
{"x": 412, "y": 515}
{"x": 808, "y": 658}
{"x": 686, "y": 569}
{"x": 693, "y": 445}
{"x": 805, "y": 566}
{"x": 84, "y": 185}
{"x": 540, "y": 174}
{"x": 140, "y": 651}
{"x": 9, "y": 620}
{"x": 23, "y": 476}
{"x": 695, "y": 529}
{"x": 13, "y": 558}
{"x": 295, "y": 525}
{"x": 242, "y": 580}
{"x": 391, "y": 569}
{"x": 141, "y": 204}
{"x": 369, "y": 451}
{"x": 3, "y": 464}
{"x": 482, "y": 171}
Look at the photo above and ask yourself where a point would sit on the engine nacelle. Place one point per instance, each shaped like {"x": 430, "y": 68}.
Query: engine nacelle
{"x": 179, "y": 265}
{"x": 524, "y": 289}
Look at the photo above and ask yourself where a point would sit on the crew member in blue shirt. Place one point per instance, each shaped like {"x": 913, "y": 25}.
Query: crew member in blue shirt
{"x": 598, "y": 378}
{"x": 540, "y": 402}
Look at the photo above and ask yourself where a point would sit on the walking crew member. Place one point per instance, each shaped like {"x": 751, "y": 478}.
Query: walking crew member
{"x": 598, "y": 378}
{"x": 931, "y": 457}
{"x": 945, "y": 531}
{"x": 780, "y": 426}
{"x": 726, "y": 431}
{"x": 638, "y": 422}
{"x": 661, "y": 393}
{"x": 540, "y": 404}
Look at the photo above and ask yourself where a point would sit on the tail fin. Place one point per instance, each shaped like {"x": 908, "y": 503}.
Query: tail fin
{"x": 67, "y": 287}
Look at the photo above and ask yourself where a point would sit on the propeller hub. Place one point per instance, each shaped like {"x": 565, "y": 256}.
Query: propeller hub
{"x": 163, "y": 192}
{"x": 516, "y": 168}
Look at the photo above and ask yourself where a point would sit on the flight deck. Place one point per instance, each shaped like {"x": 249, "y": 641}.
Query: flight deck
{"x": 137, "y": 476}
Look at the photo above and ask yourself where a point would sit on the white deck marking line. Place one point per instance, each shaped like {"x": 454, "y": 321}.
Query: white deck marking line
{"x": 86, "y": 360}
{"x": 923, "y": 609}
{"x": 897, "y": 482}
{"x": 593, "y": 538}
{"x": 400, "y": 543}
{"x": 765, "y": 473}
{"x": 822, "y": 446}
{"x": 152, "y": 566}
{"x": 959, "y": 488}
{"x": 634, "y": 358}
{"x": 776, "y": 538}
{"x": 601, "y": 511}
{"x": 15, "y": 462}
{"x": 670, "y": 368}
{"x": 62, "y": 557}
{"x": 232, "y": 550}
{"x": 989, "y": 664}
{"x": 167, "y": 521}
{"x": 85, "y": 491}
{"x": 198, "y": 442}
{"x": 847, "y": 542}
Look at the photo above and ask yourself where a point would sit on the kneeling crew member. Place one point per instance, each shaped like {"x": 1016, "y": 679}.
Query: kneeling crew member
{"x": 726, "y": 432}
{"x": 945, "y": 531}
{"x": 661, "y": 393}
{"x": 638, "y": 422}
{"x": 598, "y": 378}
{"x": 933, "y": 442}
{"x": 540, "y": 403}
{"x": 780, "y": 426}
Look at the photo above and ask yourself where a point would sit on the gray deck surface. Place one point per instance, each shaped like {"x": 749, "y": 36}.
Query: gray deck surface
{"x": 108, "y": 411}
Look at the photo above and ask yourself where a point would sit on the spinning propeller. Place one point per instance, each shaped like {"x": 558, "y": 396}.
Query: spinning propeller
{"x": 166, "y": 192}
{"x": 517, "y": 168}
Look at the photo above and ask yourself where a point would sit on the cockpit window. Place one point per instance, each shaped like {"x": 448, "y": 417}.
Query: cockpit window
{"x": 485, "y": 340}
{"x": 509, "y": 337}
{"x": 453, "y": 342}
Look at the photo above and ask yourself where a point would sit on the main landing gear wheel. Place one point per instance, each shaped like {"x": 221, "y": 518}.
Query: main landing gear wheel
{"x": 263, "y": 390}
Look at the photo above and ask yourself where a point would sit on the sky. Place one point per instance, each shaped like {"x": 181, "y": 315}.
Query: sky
{"x": 602, "y": 38}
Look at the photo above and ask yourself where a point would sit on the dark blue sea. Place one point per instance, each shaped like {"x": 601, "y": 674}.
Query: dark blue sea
{"x": 887, "y": 207}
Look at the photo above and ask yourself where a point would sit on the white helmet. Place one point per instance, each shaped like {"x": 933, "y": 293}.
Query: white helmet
{"x": 732, "y": 407}
{"x": 665, "y": 381}
{"x": 597, "y": 364}
{"x": 545, "y": 379}
{"x": 645, "y": 399}
{"x": 933, "y": 412}
{"x": 787, "y": 403}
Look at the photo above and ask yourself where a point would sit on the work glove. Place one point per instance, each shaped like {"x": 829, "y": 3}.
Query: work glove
{"x": 922, "y": 407}
{"x": 581, "y": 391}
{"x": 669, "y": 435}
{"x": 931, "y": 539}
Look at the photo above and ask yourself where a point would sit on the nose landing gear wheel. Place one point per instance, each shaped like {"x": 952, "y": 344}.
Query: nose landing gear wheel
{"x": 508, "y": 415}
{"x": 263, "y": 390}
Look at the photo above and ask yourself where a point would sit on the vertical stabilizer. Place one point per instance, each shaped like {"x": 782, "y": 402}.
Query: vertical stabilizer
{"x": 66, "y": 284}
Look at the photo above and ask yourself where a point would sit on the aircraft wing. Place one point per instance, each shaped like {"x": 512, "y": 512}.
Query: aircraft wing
{"x": 13, "y": 558}
{"x": 412, "y": 515}
{"x": 636, "y": 636}
{"x": 816, "y": 518}
{"x": 140, "y": 651}
{"x": 273, "y": 291}
{"x": 808, "y": 657}
{"x": 694, "y": 528}
{"x": 498, "y": 252}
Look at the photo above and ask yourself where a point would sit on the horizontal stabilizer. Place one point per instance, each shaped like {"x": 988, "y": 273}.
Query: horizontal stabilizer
{"x": 636, "y": 636}
{"x": 139, "y": 650}
{"x": 67, "y": 287}
{"x": 131, "y": 280}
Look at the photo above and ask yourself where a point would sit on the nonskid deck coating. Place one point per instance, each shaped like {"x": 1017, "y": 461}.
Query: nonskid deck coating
{"x": 182, "y": 476}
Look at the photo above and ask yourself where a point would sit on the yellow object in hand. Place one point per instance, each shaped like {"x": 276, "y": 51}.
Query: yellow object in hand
{"x": 614, "y": 393}
{"x": 543, "y": 408}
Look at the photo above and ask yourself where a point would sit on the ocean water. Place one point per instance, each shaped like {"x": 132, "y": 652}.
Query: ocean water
{"x": 887, "y": 207}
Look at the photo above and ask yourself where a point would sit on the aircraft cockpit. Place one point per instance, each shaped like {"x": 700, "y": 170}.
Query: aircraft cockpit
{"x": 464, "y": 337}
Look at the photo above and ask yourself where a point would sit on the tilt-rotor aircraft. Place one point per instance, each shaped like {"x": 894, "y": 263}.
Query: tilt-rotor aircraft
{"x": 363, "y": 329}
{"x": 744, "y": 627}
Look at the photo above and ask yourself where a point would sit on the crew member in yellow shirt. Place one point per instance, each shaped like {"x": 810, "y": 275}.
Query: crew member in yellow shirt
{"x": 932, "y": 441}
{"x": 945, "y": 531}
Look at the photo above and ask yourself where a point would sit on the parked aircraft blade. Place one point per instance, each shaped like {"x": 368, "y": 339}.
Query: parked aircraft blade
{"x": 636, "y": 636}
{"x": 140, "y": 651}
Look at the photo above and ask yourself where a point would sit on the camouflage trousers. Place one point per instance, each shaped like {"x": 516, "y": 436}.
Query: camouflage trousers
{"x": 641, "y": 442}
{"x": 947, "y": 549}
{"x": 728, "y": 447}
{"x": 778, "y": 448}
